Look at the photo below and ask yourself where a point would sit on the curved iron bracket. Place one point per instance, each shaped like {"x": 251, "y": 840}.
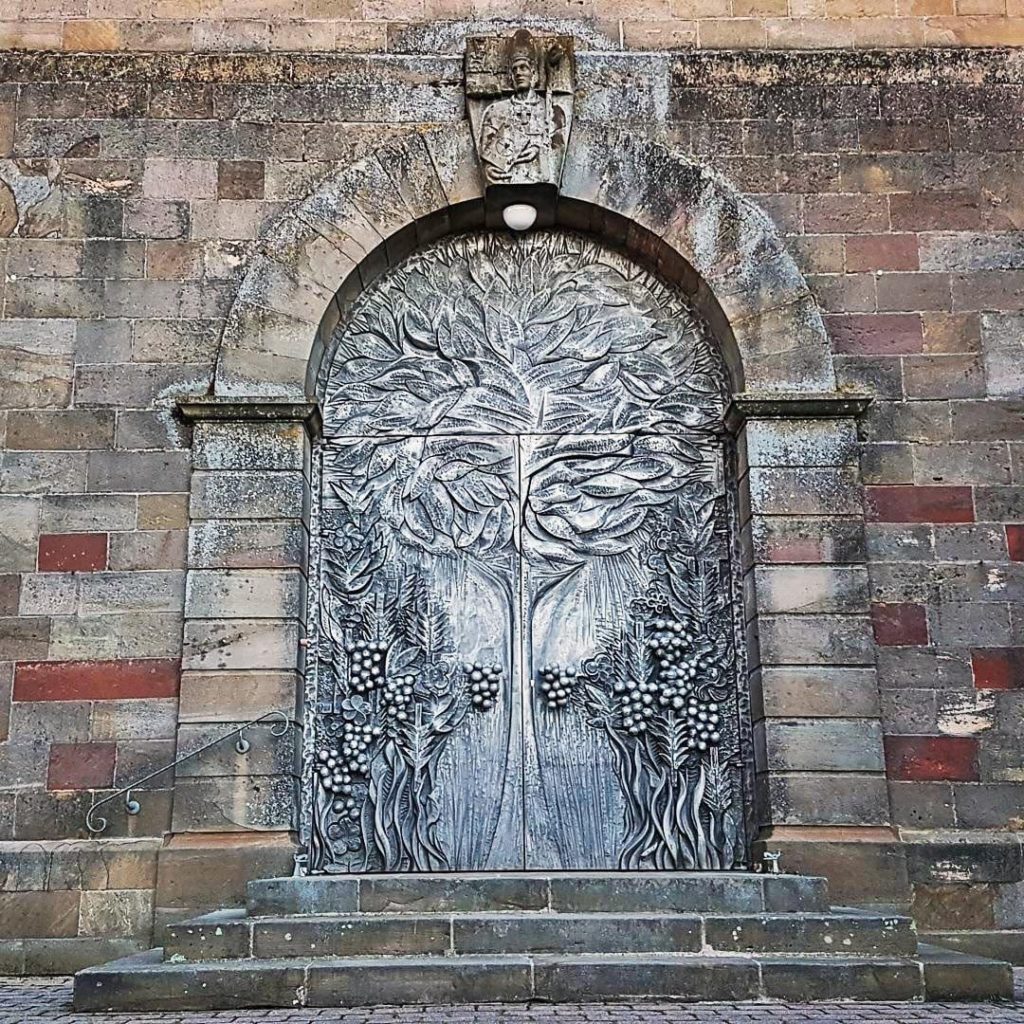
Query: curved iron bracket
{"x": 96, "y": 824}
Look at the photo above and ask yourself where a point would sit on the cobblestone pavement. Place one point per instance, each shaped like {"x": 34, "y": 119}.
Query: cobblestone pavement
{"x": 48, "y": 1001}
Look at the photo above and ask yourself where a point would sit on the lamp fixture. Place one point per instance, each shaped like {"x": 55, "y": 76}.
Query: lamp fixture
{"x": 519, "y": 216}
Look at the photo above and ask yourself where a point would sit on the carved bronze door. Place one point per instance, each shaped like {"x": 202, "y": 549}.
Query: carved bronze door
{"x": 523, "y": 625}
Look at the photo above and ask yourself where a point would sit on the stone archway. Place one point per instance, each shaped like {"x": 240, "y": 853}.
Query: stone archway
{"x": 807, "y": 633}
{"x": 680, "y": 217}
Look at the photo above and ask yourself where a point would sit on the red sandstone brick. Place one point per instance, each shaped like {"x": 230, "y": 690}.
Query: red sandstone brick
{"x": 877, "y": 334}
{"x": 998, "y": 668}
{"x": 1015, "y": 541}
{"x": 10, "y": 591}
{"x": 900, "y": 292}
{"x": 899, "y": 625}
{"x": 829, "y": 214}
{"x": 240, "y": 179}
{"x": 936, "y": 211}
{"x": 907, "y": 503}
{"x": 931, "y": 758}
{"x": 881, "y": 252}
{"x": 72, "y": 552}
{"x": 80, "y": 766}
{"x": 96, "y": 680}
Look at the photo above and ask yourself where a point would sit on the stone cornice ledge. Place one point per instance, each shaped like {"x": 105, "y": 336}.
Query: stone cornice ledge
{"x": 793, "y": 405}
{"x": 266, "y": 409}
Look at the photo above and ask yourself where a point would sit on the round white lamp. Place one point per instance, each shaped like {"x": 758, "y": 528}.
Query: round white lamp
{"x": 519, "y": 216}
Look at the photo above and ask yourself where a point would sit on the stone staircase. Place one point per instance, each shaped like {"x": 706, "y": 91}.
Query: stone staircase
{"x": 579, "y": 937}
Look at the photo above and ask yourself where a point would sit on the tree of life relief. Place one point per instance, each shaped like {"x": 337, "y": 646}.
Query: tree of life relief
{"x": 523, "y": 648}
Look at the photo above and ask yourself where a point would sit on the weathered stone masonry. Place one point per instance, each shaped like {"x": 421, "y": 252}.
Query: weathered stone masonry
{"x": 136, "y": 193}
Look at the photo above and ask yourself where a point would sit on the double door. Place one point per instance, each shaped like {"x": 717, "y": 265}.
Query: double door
{"x": 527, "y": 641}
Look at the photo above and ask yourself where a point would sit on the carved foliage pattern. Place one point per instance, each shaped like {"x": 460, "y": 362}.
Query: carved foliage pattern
{"x": 585, "y": 558}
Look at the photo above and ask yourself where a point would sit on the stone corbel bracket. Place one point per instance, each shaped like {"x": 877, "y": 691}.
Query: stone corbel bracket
{"x": 260, "y": 409}
{"x": 519, "y": 96}
{"x": 793, "y": 406}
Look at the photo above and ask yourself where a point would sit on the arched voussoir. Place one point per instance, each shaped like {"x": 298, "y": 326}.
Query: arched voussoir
{"x": 328, "y": 246}
{"x": 682, "y": 218}
{"x": 746, "y": 276}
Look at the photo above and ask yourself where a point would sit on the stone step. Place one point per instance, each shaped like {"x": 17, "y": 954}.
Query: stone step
{"x": 580, "y": 892}
{"x": 230, "y": 934}
{"x": 146, "y": 983}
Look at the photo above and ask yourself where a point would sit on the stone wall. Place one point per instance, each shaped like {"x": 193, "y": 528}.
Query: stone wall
{"x": 132, "y": 192}
{"x": 409, "y": 26}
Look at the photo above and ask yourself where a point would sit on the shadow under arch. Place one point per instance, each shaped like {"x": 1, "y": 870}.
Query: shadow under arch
{"x": 678, "y": 218}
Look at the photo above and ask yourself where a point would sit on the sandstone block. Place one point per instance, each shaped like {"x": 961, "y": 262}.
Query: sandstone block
{"x": 811, "y": 589}
{"x": 38, "y": 914}
{"x": 249, "y": 445}
{"x": 241, "y": 644}
{"x": 834, "y": 744}
{"x": 264, "y": 803}
{"x": 248, "y": 495}
{"x": 117, "y": 913}
{"x": 245, "y": 593}
{"x": 248, "y": 543}
{"x": 138, "y": 471}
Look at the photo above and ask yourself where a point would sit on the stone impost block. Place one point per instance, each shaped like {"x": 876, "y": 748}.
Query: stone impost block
{"x": 245, "y": 594}
{"x": 242, "y": 644}
{"x": 239, "y": 494}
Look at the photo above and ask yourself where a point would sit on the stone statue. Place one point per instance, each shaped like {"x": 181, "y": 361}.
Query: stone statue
{"x": 516, "y": 132}
{"x": 519, "y": 92}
